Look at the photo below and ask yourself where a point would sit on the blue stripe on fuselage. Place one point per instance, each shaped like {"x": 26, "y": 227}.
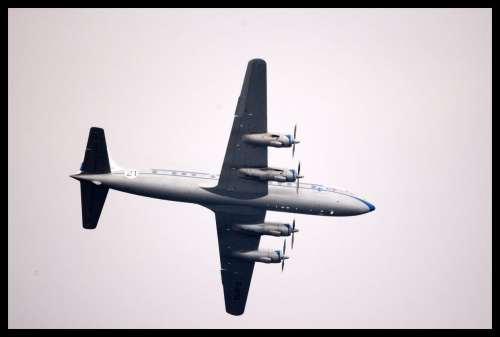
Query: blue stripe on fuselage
{"x": 370, "y": 206}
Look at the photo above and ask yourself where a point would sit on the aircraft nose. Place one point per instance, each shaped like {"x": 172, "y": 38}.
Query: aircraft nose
{"x": 371, "y": 207}
{"x": 361, "y": 206}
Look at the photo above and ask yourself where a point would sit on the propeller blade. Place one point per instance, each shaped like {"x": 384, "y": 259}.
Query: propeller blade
{"x": 293, "y": 232}
{"x": 294, "y": 139}
{"x": 298, "y": 178}
{"x": 284, "y": 257}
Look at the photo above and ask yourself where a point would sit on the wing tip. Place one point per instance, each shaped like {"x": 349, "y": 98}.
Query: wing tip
{"x": 257, "y": 61}
{"x": 235, "y": 313}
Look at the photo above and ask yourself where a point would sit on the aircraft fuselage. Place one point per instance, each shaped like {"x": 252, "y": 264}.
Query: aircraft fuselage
{"x": 198, "y": 188}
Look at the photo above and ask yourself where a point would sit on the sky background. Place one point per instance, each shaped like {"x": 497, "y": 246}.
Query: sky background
{"x": 394, "y": 105}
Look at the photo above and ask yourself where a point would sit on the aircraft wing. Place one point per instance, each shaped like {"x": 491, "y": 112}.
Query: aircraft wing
{"x": 250, "y": 118}
{"x": 236, "y": 273}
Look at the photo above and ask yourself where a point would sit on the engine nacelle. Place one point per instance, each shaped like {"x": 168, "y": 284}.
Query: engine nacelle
{"x": 266, "y": 228}
{"x": 268, "y": 174}
{"x": 270, "y": 139}
{"x": 261, "y": 255}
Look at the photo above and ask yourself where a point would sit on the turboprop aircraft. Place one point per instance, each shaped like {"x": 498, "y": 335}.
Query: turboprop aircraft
{"x": 240, "y": 195}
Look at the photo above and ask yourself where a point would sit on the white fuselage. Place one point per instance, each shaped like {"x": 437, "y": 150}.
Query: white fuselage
{"x": 198, "y": 188}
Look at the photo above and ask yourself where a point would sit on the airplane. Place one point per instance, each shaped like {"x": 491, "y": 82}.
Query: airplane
{"x": 240, "y": 195}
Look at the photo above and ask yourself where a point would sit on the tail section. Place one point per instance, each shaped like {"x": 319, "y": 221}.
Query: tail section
{"x": 96, "y": 161}
{"x": 114, "y": 166}
{"x": 93, "y": 198}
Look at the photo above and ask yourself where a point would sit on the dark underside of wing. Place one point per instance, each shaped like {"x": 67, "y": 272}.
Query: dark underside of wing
{"x": 236, "y": 273}
{"x": 250, "y": 118}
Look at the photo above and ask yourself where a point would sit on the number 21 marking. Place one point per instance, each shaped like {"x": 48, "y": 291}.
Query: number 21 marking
{"x": 131, "y": 173}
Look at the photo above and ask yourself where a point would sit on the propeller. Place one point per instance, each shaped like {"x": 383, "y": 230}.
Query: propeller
{"x": 293, "y": 232}
{"x": 284, "y": 257}
{"x": 295, "y": 141}
{"x": 298, "y": 177}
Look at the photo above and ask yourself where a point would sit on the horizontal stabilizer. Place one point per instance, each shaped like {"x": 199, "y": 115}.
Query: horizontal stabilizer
{"x": 93, "y": 198}
{"x": 96, "y": 154}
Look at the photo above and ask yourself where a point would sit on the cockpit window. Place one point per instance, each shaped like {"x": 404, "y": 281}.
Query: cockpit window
{"x": 275, "y": 136}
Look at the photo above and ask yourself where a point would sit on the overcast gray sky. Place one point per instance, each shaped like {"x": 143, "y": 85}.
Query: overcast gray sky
{"x": 395, "y": 105}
